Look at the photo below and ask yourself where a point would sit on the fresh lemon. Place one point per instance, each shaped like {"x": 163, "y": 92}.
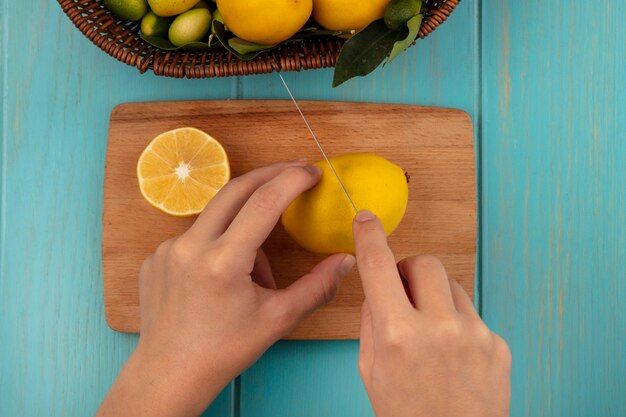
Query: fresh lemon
{"x": 181, "y": 171}
{"x": 191, "y": 26}
{"x": 265, "y": 21}
{"x": 171, "y": 7}
{"x": 131, "y": 10}
{"x": 348, "y": 14}
{"x": 320, "y": 219}
{"x": 153, "y": 25}
{"x": 400, "y": 11}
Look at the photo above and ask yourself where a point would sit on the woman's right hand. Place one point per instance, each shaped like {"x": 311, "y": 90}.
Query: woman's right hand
{"x": 435, "y": 357}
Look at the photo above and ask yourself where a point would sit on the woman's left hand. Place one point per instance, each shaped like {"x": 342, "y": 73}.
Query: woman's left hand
{"x": 208, "y": 301}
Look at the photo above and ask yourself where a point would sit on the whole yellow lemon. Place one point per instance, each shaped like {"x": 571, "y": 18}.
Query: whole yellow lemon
{"x": 265, "y": 21}
{"x": 348, "y": 14}
{"x": 320, "y": 219}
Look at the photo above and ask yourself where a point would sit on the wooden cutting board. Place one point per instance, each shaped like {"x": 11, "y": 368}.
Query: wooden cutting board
{"x": 435, "y": 145}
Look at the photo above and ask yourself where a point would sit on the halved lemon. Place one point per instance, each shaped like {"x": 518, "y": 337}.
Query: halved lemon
{"x": 181, "y": 170}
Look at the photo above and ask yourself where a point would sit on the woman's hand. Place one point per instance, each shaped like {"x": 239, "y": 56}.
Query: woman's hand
{"x": 434, "y": 357}
{"x": 208, "y": 301}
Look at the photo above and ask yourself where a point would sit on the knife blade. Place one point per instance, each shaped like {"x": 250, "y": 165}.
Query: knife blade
{"x": 317, "y": 142}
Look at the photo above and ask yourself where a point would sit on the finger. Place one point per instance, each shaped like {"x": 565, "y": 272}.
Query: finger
{"x": 462, "y": 301}
{"x": 222, "y": 209}
{"x": 366, "y": 343}
{"x": 316, "y": 288}
{"x": 429, "y": 283}
{"x": 377, "y": 266}
{"x": 262, "y": 271}
{"x": 261, "y": 212}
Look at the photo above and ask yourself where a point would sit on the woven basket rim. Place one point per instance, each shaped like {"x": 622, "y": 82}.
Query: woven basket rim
{"x": 121, "y": 40}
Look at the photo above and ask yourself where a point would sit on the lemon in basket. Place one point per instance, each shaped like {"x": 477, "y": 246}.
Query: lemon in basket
{"x": 153, "y": 25}
{"x": 347, "y": 14}
{"x": 180, "y": 171}
{"x": 131, "y": 10}
{"x": 320, "y": 219}
{"x": 265, "y": 22}
{"x": 191, "y": 26}
{"x": 171, "y": 7}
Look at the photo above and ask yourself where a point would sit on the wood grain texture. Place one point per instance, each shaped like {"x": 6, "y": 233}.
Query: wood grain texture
{"x": 434, "y": 145}
{"x": 554, "y": 201}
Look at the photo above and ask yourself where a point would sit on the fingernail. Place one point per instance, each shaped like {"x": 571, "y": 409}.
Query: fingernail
{"x": 364, "y": 216}
{"x": 317, "y": 171}
{"x": 299, "y": 161}
{"x": 346, "y": 265}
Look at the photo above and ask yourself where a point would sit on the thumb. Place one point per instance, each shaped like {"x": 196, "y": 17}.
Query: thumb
{"x": 318, "y": 287}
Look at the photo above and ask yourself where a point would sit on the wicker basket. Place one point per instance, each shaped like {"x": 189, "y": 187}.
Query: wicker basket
{"x": 121, "y": 40}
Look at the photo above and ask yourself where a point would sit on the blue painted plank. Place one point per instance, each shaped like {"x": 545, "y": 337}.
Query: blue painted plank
{"x": 58, "y": 357}
{"x": 554, "y": 201}
{"x": 305, "y": 379}
{"x": 312, "y": 379}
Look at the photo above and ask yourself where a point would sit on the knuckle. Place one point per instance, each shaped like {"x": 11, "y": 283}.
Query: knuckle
{"x": 179, "y": 248}
{"x": 179, "y": 253}
{"x": 217, "y": 263}
{"x": 397, "y": 336}
{"x": 266, "y": 199}
{"x": 483, "y": 334}
{"x": 163, "y": 248}
{"x": 298, "y": 174}
{"x": 449, "y": 332}
{"x": 503, "y": 351}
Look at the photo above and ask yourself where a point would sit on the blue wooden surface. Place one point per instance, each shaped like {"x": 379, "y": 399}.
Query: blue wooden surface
{"x": 554, "y": 201}
{"x": 546, "y": 85}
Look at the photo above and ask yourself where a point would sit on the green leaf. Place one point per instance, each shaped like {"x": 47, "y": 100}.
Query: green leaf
{"x": 219, "y": 30}
{"x": 217, "y": 17}
{"x": 311, "y": 31}
{"x": 413, "y": 24}
{"x": 244, "y": 47}
{"x": 225, "y": 38}
{"x": 166, "y": 45}
{"x": 363, "y": 52}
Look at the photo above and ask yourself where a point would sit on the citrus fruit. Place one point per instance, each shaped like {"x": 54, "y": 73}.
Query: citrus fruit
{"x": 400, "y": 11}
{"x": 131, "y": 10}
{"x": 191, "y": 26}
{"x": 180, "y": 171}
{"x": 265, "y": 21}
{"x": 153, "y": 25}
{"x": 170, "y": 7}
{"x": 348, "y": 14}
{"x": 320, "y": 219}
